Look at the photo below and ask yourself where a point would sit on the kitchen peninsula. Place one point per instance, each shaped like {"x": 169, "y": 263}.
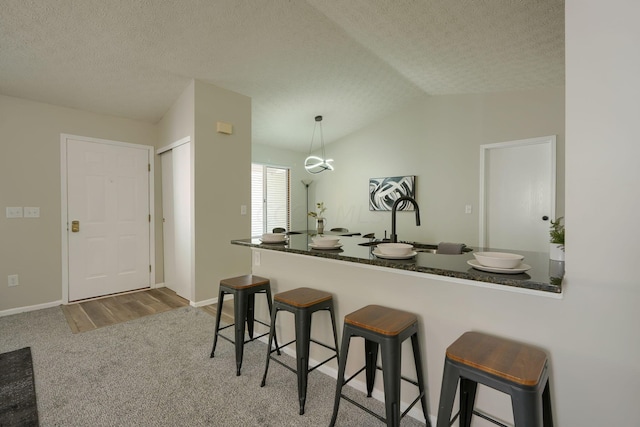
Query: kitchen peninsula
{"x": 544, "y": 275}
{"x": 448, "y": 295}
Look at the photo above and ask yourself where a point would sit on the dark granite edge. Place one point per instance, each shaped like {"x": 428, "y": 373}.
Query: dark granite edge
{"x": 475, "y": 276}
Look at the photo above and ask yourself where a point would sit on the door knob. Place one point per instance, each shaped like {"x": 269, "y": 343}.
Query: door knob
{"x": 545, "y": 218}
{"x": 75, "y": 226}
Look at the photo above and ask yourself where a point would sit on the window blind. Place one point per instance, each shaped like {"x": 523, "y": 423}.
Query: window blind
{"x": 270, "y": 198}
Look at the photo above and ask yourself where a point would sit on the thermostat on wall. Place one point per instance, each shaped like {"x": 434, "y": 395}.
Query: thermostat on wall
{"x": 226, "y": 128}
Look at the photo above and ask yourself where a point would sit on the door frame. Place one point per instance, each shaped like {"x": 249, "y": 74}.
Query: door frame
{"x": 64, "y": 225}
{"x": 484, "y": 150}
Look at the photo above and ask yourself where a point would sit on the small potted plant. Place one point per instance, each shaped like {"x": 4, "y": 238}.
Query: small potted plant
{"x": 318, "y": 216}
{"x": 556, "y": 233}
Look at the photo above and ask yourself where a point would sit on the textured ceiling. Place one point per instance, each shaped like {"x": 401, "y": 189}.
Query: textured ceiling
{"x": 352, "y": 61}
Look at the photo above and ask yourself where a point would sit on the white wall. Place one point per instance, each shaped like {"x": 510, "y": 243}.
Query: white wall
{"x": 30, "y": 176}
{"x": 222, "y": 180}
{"x": 602, "y": 346}
{"x": 437, "y": 139}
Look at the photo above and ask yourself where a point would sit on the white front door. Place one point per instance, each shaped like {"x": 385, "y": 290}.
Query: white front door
{"x": 518, "y": 200}
{"x": 108, "y": 217}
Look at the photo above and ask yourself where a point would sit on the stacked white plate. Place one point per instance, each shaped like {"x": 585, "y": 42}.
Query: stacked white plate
{"x": 326, "y": 242}
{"x": 394, "y": 251}
{"x": 499, "y": 262}
{"x": 273, "y": 238}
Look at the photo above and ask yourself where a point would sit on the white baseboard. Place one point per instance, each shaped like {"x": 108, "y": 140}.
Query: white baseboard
{"x": 17, "y": 310}
{"x": 205, "y": 302}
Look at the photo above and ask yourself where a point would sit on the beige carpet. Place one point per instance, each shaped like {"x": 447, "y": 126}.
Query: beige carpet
{"x": 156, "y": 371}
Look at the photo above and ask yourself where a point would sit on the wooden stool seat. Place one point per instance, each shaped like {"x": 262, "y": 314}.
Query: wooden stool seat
{"x": 384, "y": 330}
{"x": 302, "y": 302}
{"x": 244, "y": 282}
{"x": 513, "y": 361}
{"x": 381, "y": 320}
{"x": 511, "y": 367}
{"x": 302, "y": 297}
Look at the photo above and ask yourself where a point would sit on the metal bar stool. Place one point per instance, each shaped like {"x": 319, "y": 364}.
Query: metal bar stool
{"x": 244, "y": 289}
{"x": 302, "y": 302}
{"x": 389, "y": 328}
{"x": 508, "y": 366}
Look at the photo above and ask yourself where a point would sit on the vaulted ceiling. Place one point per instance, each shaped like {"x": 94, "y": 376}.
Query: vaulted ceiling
{"x": 353, "y": 61}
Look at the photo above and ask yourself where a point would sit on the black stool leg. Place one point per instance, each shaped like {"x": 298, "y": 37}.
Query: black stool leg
{"x": 417, "y": 357}
{"x": 527, "y": 408}
{"x": 240, "y": 302}
{"x": 391, "y": 371}
{"x": 251, "y": 303}
{"x": 468, "y": 390}
{"x": 346, "y": 338}
{"x": 447, "y": 394}
{"x": 272, "y": 333}
{"x": 335, "y": 332}
{"x": 303, "y": 339}
{"x": 547, "y": 417}
{"x": 218, "y": 315}
{"x": 275, "y": 336}
{"x": 371, "y": 362}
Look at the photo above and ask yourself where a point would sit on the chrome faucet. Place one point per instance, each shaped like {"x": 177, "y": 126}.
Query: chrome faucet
{"x": 394, "y": 236}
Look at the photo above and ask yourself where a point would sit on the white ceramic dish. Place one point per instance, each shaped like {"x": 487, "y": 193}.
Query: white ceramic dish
{"x": 379, "y": 254}
{"x": 521, "y": 268}
{"x": 328, "y": 241}
{"x": 273, "y": 238}
{"x": 395, "y": 249}
{"x": 498, "y": 259}
{"x": 336, "y": 246}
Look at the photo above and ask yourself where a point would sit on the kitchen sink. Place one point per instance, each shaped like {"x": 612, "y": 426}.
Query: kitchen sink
{"x": 418, "y": 247}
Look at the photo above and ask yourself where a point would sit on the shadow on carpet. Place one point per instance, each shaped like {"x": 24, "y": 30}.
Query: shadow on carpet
{"x": 17, "y": 389}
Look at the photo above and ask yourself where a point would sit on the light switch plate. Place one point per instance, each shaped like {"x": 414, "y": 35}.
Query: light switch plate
{"x": 14, "y": 212}
{"x": 31, "y": 212}
{"x": 13, "y": 280}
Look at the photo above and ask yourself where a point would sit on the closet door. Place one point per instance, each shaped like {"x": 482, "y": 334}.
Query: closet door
{"x": 177, "y": 219}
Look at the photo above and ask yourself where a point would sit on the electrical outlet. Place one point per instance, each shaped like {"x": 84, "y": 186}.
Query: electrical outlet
{"x": 13, "y": 280}
{"x": 256, "y": 258}
{"x": 243, "y": 209}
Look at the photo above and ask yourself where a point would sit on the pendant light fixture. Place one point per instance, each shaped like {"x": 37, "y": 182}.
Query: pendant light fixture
{"x": 315, "y": 164}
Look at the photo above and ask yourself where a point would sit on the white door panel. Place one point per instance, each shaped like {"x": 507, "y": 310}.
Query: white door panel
{"x": 108, "y": 194}
{"x": 518, "y": 193}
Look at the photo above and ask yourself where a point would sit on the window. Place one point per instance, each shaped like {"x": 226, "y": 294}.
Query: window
{"x": 270, "y": 200}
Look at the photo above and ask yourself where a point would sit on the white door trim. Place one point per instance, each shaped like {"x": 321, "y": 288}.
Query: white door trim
{"x": 173, "y": 145}
{"x": 484, "y": 149}
{"x": 64, "y": 199}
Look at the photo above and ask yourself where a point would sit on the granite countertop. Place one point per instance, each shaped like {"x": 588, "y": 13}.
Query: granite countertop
{"x": 544, "y": 275}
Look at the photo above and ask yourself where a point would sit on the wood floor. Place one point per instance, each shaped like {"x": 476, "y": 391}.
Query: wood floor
{"x": 97, "y": 313}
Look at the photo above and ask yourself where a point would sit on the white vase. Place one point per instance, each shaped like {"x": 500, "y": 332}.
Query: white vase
{"x": 556, "y": 251}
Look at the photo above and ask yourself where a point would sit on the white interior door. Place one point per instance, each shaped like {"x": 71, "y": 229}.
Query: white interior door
{"x": 177, "y": 229}
{"x": 518, "y": 186}
{"x": 108, "y": 196}
{"x": 168, "y": 229}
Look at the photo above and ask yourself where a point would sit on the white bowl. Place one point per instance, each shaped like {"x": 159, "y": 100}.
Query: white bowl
{"x": 326, "y": 241}
{"x": 395, "y": 249}
{"x": 498, "y": 259}
{"x": 274, "y": 237}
